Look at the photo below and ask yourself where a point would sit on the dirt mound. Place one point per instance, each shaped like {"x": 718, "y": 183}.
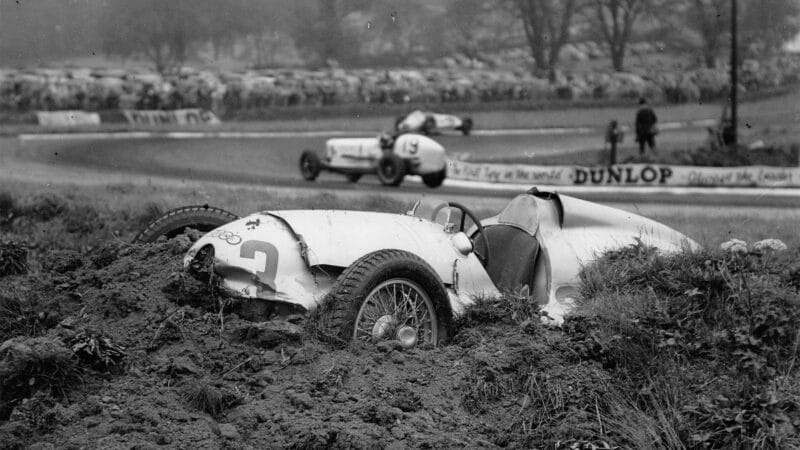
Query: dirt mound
{"x": 189, "y": 378}
{"x": 111, "y": 345}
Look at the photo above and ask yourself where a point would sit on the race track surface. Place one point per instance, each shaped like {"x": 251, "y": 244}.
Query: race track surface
{"x": 272, "y": 161}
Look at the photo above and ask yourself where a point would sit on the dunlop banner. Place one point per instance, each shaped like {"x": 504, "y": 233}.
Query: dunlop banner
{"x": 67, "y": 118}
{"x": 626, "y": 175}
{"x": 175, "y": 116}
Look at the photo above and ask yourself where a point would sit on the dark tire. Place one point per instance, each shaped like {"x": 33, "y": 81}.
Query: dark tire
{"x": 310, "y": 165}
{"x": 202, "y": 218}
{"x": 353, "y": 177}
{"x": 435, "y": 179}
{"x": 429, "y": 126}
{"x": 466, "y": 126}
{"x": 391, "y": 169}
{"x": 365, "y": 289}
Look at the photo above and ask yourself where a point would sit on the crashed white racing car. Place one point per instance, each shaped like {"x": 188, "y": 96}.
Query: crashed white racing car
{"x": 424, "y": 122}
{"x": 403, "y": 277}
{"x": 388, "y": 156}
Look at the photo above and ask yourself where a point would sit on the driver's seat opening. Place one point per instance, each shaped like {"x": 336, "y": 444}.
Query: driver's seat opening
{"x": 513, "y": 257}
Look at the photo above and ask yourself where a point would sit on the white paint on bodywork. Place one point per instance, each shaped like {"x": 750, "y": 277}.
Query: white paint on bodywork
{"x": 447, "y": 120}
{"x": 338, "y": 238}
{"x": 247, "y": 272}
{"x": 306, "y": 239}
{"x": 352, "y": 152}
{"x": 588, "y": 230}
{"x": 425, "y": 154}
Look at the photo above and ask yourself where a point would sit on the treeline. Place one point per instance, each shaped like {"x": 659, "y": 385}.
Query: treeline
{"x": 361, "y": 33}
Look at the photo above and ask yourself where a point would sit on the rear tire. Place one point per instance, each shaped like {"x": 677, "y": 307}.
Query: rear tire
{"x": 200, "y": 217}
{"x": 391, "y": 169}
{"x": 310, "y": 165}
{"x": 364, "y": 303}
{"x": 435, "y": 179}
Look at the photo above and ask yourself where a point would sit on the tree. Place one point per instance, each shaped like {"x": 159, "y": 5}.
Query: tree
{"x": 547, "y": 29}
{"x": 711, "y": 19}
{"x": 164, "y": 32}
{"x": 319, "y": 30}
{"x": 767, "y": 25}
{"x": 615, "y": 20}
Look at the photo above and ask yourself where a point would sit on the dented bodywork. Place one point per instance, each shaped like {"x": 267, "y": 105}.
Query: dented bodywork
{"x": 538, "y": 245}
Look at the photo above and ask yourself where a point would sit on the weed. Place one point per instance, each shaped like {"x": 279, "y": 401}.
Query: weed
{"x": 82, "y": 220}
{"x": 97, "y": 351}
{"x": 666, "y": 324}
{"x": 13, "y": 258}
{"x": 18, "y": 316}
{"x": 510, "y": 308}
{"x": 45, "y": 206}
{"x": 207, "y": 398}
{"x": 8, "y": 208}
{"x": 29, "y": 365}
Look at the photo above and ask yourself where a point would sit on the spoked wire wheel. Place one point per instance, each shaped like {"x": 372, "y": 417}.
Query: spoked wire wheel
{"x": 397, "y": 309}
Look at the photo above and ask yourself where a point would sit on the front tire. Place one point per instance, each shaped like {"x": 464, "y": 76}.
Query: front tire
{"x": 435, "y": 179}
{"x": 388, "y": 295}
{"x": 310, "y": 165}
{"x": 200, "y": 217}
{"x": 391, "y": 169}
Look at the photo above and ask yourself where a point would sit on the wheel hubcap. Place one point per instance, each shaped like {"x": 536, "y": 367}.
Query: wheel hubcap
{"x": 397, "y": 309}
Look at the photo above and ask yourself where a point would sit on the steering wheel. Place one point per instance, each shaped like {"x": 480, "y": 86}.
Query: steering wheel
{"x": 465, "y": 212}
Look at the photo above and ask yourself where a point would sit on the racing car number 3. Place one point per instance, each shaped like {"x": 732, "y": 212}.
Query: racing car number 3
{"x": 249, "y": 250}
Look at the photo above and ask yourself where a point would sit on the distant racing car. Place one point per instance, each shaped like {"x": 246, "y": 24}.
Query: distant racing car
{"x": 418, "y": 121}
{"x": 390, "y": 157}
{"x": 380, "y": 276}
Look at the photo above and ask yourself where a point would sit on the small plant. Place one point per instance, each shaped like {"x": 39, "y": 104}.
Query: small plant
{"x": 207, "y": 398}
{"x": 8, "y": 208}
{"x": 29, "y": 365}
{"x": 97, "y": 350}
{"x": 17, "y": 317}
{"x": 82, "y": 220}
{"x": 13, "y": 258}
{"x": 46, "y": 206}
{"x": 510, "y": 308}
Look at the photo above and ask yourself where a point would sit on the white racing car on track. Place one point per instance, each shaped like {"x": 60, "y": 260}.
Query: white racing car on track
{"x": 418, "y": 121}
{"x": 380, "y": 276}
{"x": 390, "y": 157}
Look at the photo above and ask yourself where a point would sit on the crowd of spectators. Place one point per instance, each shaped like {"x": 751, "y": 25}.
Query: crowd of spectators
{"x": 107, "y": 89}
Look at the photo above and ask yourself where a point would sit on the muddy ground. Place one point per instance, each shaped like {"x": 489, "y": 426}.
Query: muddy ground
{"x": 270, "y": 385}
{"x": 106, "y": 344}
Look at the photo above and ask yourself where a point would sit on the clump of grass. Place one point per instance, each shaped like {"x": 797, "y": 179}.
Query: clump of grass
{"x": 203, "y": 396}
{"x": 82, "y": 220}
{"x": 97, "y": 350}
{"x": 510, "y": 308}
{"x": 45, "y": 206}
{"x": 149, "y": 212}
{"x": 13, "y": 258}
{"x": 706, "y": 332}
{"x": 63, "y": 261}
{"x": 18, "y": 317}
{"x": 29, "y": 365}
{"x": 8, "y": 208}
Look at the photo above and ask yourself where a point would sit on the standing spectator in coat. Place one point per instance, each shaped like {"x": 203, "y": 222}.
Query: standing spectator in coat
{"x": 646, "y": 128}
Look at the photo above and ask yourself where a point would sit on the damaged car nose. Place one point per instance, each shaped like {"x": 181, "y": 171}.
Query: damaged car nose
{"x": 201, "y": 265}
